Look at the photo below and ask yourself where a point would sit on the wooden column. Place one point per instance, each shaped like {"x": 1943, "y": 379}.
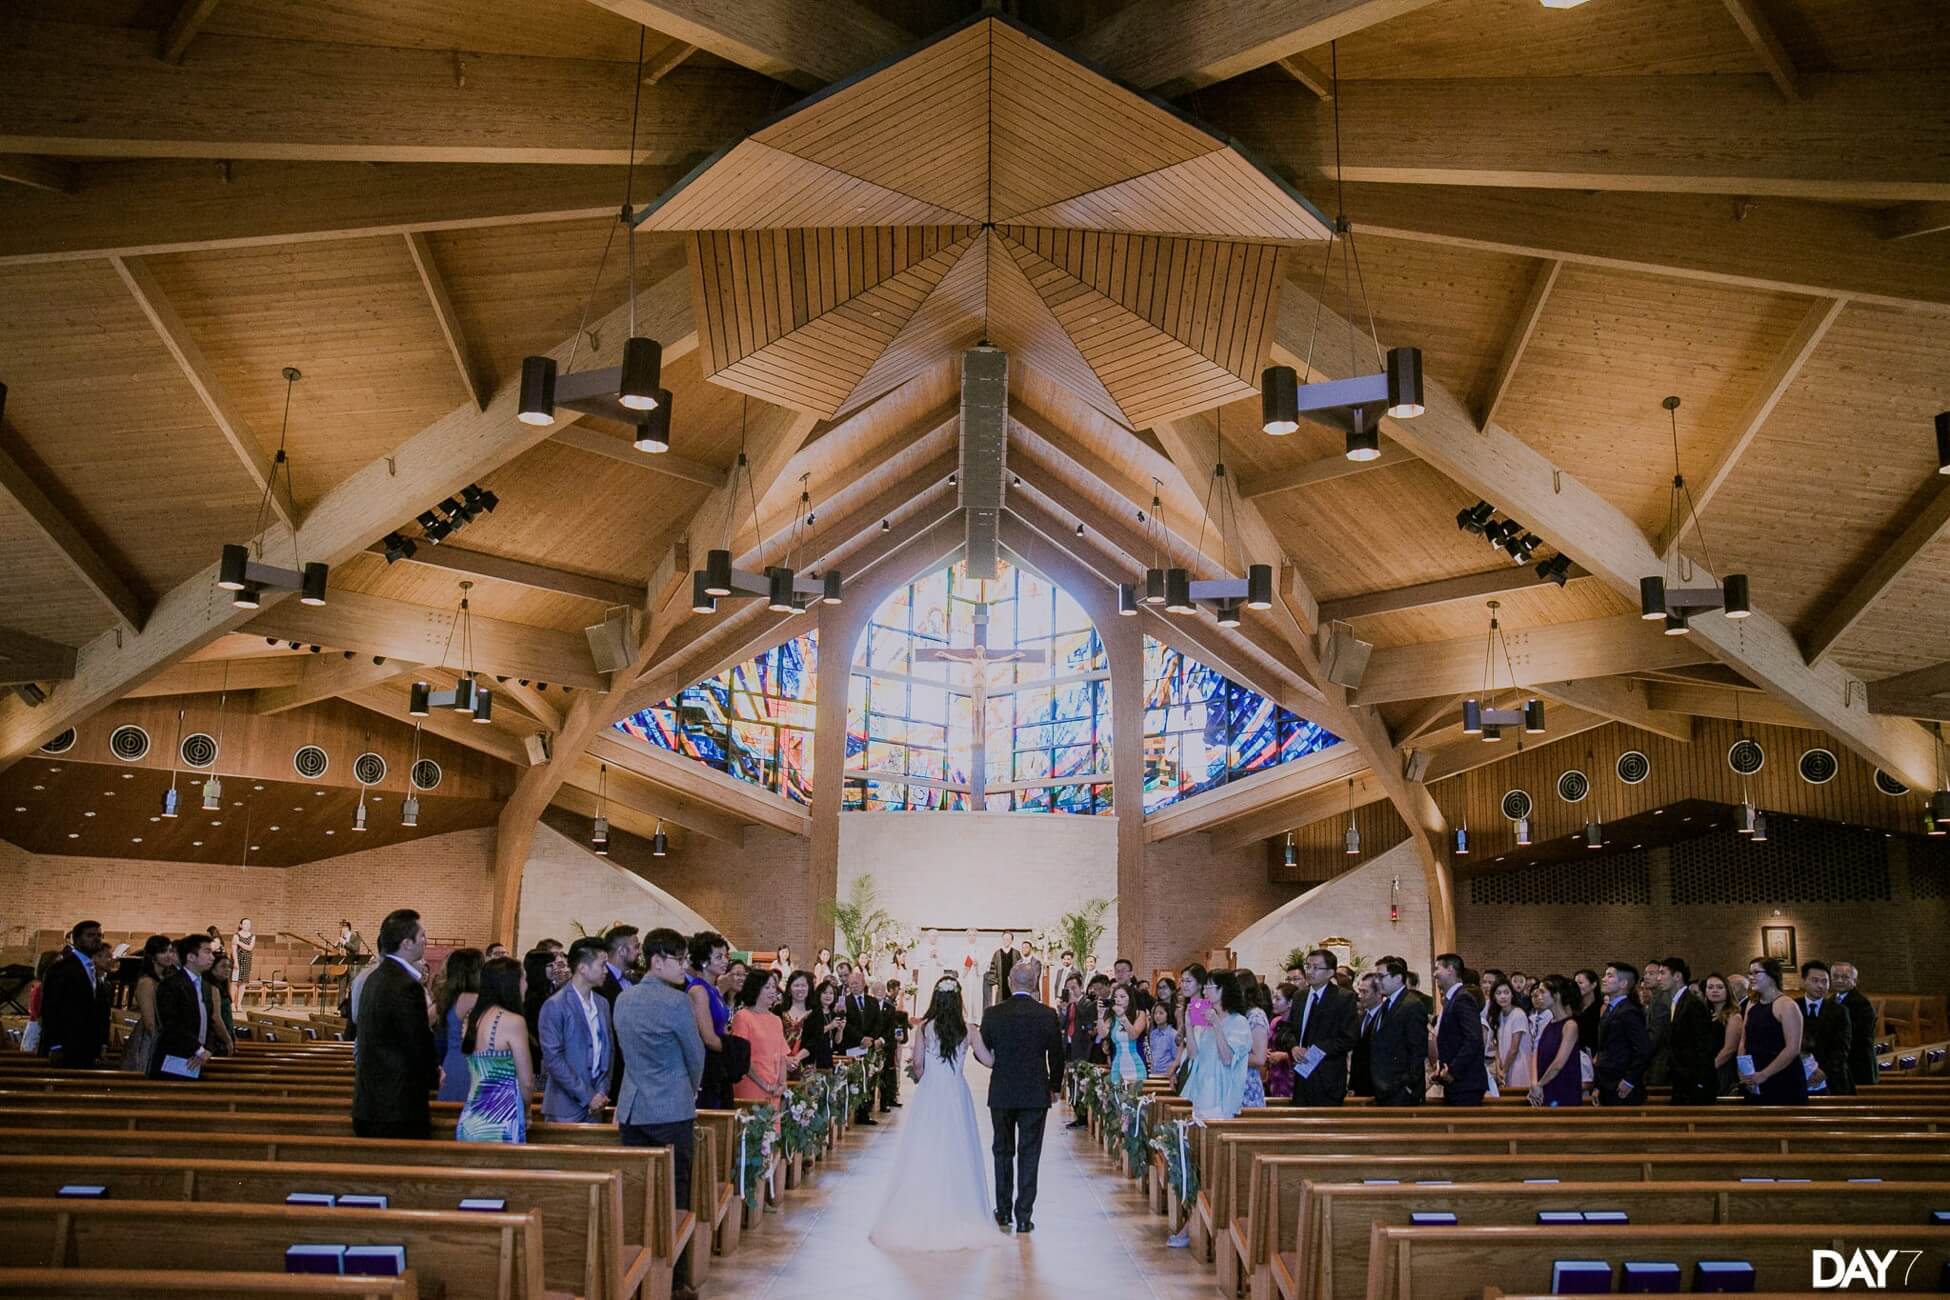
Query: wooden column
{"x": 839, "y": 632}
{"x": 1124, "y": 643}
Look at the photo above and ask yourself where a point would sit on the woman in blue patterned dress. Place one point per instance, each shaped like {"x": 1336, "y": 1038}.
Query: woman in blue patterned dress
{"x": 500, "y": 1072}
{"x": 1122, "y": 1029}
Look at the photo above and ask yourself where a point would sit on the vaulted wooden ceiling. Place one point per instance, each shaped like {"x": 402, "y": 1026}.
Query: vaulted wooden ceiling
{"x": 1573, "y": 213}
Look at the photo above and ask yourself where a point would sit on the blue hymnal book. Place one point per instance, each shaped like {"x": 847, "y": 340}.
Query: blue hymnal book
{"x": 1434, "y": 1182}
{"x": 1757, "y": 1180}
{"x": 376, "y": 1261}
{"x": 1432, "y": 1218}
{"x": 1936, "y": 1216}
{"x": 364, "y": 1202}
{"x": 310, "y": 1198}
{"x": 1865, "y": 1180}
{"x": 1580, "y": 1277}
{"x": 314, "y": 1259}
{"x": 1557, "y": 1218}
{"x": 92, "y": 1191}
{"x": 491, "y": 1204}
{"x": 1907, "y": 1063}
{"x": 1651, "y": 1277}
{"x": 1724, "y": 1275}
{"x": 1541, "y": 1180}
{"x": 1381, "y": 1182}
{"x": 1606, "y": 1216}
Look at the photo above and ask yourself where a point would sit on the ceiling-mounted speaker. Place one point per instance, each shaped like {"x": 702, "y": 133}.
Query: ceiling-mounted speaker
{"x": 612, "y": 642}
{"x": 1343, "y": 656}
{"x": 983, "y": 475}
{"x": 539, "y": 748}
{"x": 1416, "y": 765}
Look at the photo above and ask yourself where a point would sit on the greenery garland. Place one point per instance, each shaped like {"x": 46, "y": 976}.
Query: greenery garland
{"x": 1174, "y": 1143}
{"x": 756, "y": 1142}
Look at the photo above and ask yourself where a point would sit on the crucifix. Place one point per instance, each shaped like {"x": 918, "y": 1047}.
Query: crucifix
{"x": 979, "y": 657}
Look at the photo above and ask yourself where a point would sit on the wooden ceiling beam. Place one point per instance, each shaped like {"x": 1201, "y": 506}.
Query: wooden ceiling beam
{"x": 472, "y": 379}
{"x": 1778, "y": 246}
{"x": 82, "y": 91}
{"x": 188, "y": 21}
{"x": 1874, "y": 136}
{"x": 520, "y": 573}
{"x": 1421, "y": 595}
{"x": 1774, "y": 58}
{"x": 1250, "y": 795}
{"x": 748, "y": 803}
{"x": 54, "y": 175}
{"x": 1932, "y": 680}
{"x": 1594, "y": 647}
{"x": 321, "y": 677}
{"x": 1177, "y": 46}
{"x": 672, "y": 58}
{"x": 83, "y": 558}
{"x": 1301, "y": 70}
{"x": 1927, "y": 523}
{"x": 1469, "y": 753}
{"x": 393, "y": 701}
{"x": 535, "y": 703}
{"x": 1036, "y": 434}
{"x": 460, "y": 447}
{"x": 1908, "y": 220}
{"x": 1808, "y": 334}
{"x": 202, "y": 376}
{"x": 1715, "y": 702}
{"x": 1427, "y": 718}
{"x": 210, "y": 676}
{"x": 584, "y": 437}
{"x": 803, "y": 45}
{"x": 1324, "y": 470}
{"x": 1596, "y": 534}
{"x": 623, "y": 794}
{"x": 1622, "y": 700}
{"x": 1519, "y": 338}
{"x": 25, "y": 658}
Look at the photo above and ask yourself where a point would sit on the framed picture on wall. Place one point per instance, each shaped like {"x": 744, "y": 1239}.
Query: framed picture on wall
{"x": 1777, "y": 941}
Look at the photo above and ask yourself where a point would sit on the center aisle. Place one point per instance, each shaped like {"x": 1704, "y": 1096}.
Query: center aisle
{"x": 1094, "y": 1239}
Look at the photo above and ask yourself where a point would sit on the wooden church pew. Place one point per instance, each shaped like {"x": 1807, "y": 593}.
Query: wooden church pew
{"x": 121, "y": 1283}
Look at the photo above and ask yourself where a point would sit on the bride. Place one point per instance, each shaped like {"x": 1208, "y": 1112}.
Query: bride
{"x": 938, "y": 1196}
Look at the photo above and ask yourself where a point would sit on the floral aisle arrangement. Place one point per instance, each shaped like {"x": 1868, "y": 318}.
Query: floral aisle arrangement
{"x": 1173, "y": 1142}
{"x": 804, "y": 1120}
{"x": 1132, "y": 1126}
{"x": 1083, "y": 1079}
{"x": 756, "y": 1143}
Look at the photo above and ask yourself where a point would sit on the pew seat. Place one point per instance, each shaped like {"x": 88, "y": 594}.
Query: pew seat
{"x": 121, "y": 1283}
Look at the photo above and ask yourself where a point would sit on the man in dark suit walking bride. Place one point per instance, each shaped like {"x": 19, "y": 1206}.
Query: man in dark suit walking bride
{"x": 1024, "y": 1042}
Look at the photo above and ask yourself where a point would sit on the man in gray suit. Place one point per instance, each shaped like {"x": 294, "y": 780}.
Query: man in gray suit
{"x": 663, "y": 1057}
{"x": 575, "y": 1035}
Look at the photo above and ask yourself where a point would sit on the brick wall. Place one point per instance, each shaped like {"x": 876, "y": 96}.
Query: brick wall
{"x": 567, "y": 890}
{"x": 1197, "y": 897}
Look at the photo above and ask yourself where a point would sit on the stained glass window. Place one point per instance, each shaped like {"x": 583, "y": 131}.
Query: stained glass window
{"x": 1041, "y": 742}
{"x": 753, "y": 721}
{"x": 1201, "y": 729}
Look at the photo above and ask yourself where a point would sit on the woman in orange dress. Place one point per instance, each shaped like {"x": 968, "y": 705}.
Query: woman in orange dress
{"x": 757, "y": 1022}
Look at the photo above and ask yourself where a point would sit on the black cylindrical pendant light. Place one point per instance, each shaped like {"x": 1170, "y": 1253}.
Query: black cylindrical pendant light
{"x": 417, "y": 708}
{"x": 1472, "y": 718}
{"x": 1679, "y": 624}
{"x": 313, "y": 590}
{"x": 1289, "y": 855}
{"x": 464, "y": 695}
{"x": 1492, "y": 733}
{"x": 1734, "y": 596}
{"x": 1943, "y": 442}
{"x": 1533, "y": 716}
{"x": 1178, "y": 592}
{"x": 1405, "y": 383}
{"x": 537, "y": 391}
{"x": 643, "y": 361}
{"x": 653, "y": 431}
{"x": 246, "y": 598}
{"x": 1127, "y": 601}
{"x": 1154, "y": 586}
{"x": 1364, "y": 439}
{"x": 779, "y": 590}
{"x": 231, "y": 569}
{"x": 1226, "y": 613}
{"x": 1940, "y": 812}
{"x": 1259, "y": 586}
{"x": 659, "y": 844}
{"x": 702, "y": 601}
{"x": 1594, "y": 835}
{"x": 483, "y": 705}
{"x": 1279, "y": 400}
{"x": 1652, "y": 598}
{"x": 717, "y": 573}
{"x": 830, "y": 585}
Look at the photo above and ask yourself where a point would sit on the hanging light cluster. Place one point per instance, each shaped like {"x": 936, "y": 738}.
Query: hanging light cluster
{"x": 1659, "y": 599}
{"x": 213, "y": 785}
{"x": 630, "y": 393}
{"x": 468, "y": 696}
{"x": 783, "y": 589}
{"x": 171, "y": 799}
{"x": 1173, "y": 586}
{"x": 1354, "y": 405}
{"x": 409, "y": 809}
{"x": 241, "y": 569}
{"x": 1480, "y": 717}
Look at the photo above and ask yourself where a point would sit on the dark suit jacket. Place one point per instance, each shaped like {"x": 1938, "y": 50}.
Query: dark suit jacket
{"x": 1360, "y": 1079}
{"x": 179, "y": 1029}
{"x": 1624, "y": 1050}
{"x": 1863, "y": 1068}
{"x": 74, "y": 1012}
{"x": 1333, "y": 1027}
{"x": 1658, "y": 1028}
{"x": 862, "y": 1022}
{"x": 1691, "y": 1044}
{"x": 1829, "y": 1036}
{"x": 1080, "y": 1021}
{"x": 608, "y": 991}
{"x": 398, "y": 1066}
{"x": 1027, "y": 1040}
{"x": 1459, "y": 1044}
{"x": 1398, "y": 1056}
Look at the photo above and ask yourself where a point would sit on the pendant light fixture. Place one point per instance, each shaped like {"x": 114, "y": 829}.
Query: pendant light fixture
{"x": 359, "y": 812}
{"x": 599, "y": 833}
{"x": 213, "y": 786}
{"x": 1479, "y": 715}
{"x": 783, "y": 589}
{"x": 1289, "y": 855}
{"x": 171, "y": 799}
{"x": 1178, "y": 591}
{"x": 632, "y": 392}
{"x": 1353, "y": 405}
{"x": 1938, "y": 817}
{"x": 1943, "y": 442}
{"x": 1353, "y": 836}
{"x": 1659, "y": 598}
{"x": 1594, "y": 825}
{"x": 659, "y": 842}
{"x": 469, "y": 695}
{"x": 244, "y": 573}
{"x": 1748, "y": 819}
{"x": 1462, "y": 831}
{"x": 409, "y": 810}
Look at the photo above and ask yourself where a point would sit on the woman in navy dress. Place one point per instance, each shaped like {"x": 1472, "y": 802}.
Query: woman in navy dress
{"x": 460, "y": 984}
{"x": 1772, "y": 1040}
{"x": 1559, "y": 1081}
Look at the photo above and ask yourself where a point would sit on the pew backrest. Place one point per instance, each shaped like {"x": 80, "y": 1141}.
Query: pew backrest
{"x": 95, "y": 1283}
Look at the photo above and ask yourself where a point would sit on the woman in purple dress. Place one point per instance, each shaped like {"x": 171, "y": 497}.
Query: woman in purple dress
{"x": 1559, "y": 1082}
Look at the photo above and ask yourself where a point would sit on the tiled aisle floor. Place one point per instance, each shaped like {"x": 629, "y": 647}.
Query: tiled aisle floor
{"x": 1094, "y": 1239}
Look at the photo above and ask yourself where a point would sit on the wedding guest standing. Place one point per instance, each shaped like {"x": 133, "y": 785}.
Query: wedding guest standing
{"x": 1122, "y": 1026}
{"x": 1624, "y": 1047}
{"x": 576, "y": 1039}
{"x": 460, "y": 985}
{"x": 1693, "y": 1040}
{"x": 1161, "y": 1044}
{"x": 74, "y": 1001}
{"x": 755, "y": 1021}
{"x": 1772, "y": 1040}
{"x": 805, "y": 1027}
{"x": 1516, "y": 1048}
{"x": 1560, "y": 1079}
{"x": 1459, "y": 1036}
{"x": 1863, "y": 1068}
{"x": 158, "y": 963}
{"x": 663, "y": 1056}
{"x": 1826, "y": 1033}
{"x": 1327, "y": 1018}
{"x": 1716, "y": 991}
{"x": 183, "y": 1013}
{"x": 501, "y": 1074}
{"x": 242, "y": 945}
{"x": 397, "y": 1067}
{"x": 1399, "y": 1042}
{"x": 1216, "y": 1086}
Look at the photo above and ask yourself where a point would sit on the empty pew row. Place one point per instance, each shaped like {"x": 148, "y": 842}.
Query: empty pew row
{"x": 161, "y": 1284}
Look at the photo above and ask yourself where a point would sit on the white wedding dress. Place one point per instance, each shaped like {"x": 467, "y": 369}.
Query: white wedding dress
{"x": 938, "y": 1194}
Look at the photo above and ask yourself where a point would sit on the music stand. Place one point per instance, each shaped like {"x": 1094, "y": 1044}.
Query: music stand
{"x": 13, "y": 981}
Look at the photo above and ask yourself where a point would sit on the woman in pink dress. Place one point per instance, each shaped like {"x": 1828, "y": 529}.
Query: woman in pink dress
{"x": 757, "y": 1022}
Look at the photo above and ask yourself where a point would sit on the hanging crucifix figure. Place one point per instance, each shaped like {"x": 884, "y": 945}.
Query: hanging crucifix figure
{"x": 979, "y": 657}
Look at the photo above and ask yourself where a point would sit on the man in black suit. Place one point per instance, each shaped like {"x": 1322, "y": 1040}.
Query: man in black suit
{"x": 1826, "y": 1032}
{"x": 1399, "y": 1050}
{"x": 74, "y": 1001}
{"x": 1624, "y": 1046}
{"x": 1367, "y": 997}
{"x": 621, "y": 947}
{"x": 862, "y": 1029}
{"x": 1026, "y": 1042}
{"x": 1328, "y": 1020}
{"x": 1692, "y": 1042}
{"x": 893, "y": 1024}
{"x": 183, "y": 1009}
{"x": 397, "y": 1065}
{"x": 1863, "y": 1068}
{"x": 1460, "y": 1066}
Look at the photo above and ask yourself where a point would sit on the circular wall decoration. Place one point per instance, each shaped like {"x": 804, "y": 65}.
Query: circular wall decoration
{"x": 199, "y": 749}
{"x": 310, "y": 762}
{"x": 1516, "y": 804}
{"x": 425, "y": 774}
{"x": 1818, "y": 766}
{"x": 129, "y": 743}
{"x": 1889, "y": 785}
{"x": 1633, "y": 767}
{"x": 60, "y": 744}
{"x": 369, "y": 768}
{"x": 1573, "y": 786}
{"x": 1746, "y": 757}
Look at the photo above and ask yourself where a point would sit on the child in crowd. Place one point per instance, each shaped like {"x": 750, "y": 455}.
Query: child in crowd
{"x": 1161, "y": 1044}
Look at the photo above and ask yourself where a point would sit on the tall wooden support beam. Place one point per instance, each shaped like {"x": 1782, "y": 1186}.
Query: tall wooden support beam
{"x": 471, "y": 378}
{"x": 196, "y": 368}
{"x": 1794, "y": 354}
{"x": 539, "y": 705}
{"x": 1323, "y": 470}
{"x": 1304, "y": 72}
{"x": 18, "y": 484}
{"x": 536, "y": 577}
{"x": 1774, "y": 57}
{"x": 1621, "y": 700}
{"x": 804, "y": 46}
{"x": 1908, "y": 220}
{"x": 1420, "y": 595}
{"x": 1427, "y": 718}
{"x": 613, "y": 447}
{"x": 1924, "y": 527}
{"x": 1177, "y": 46}
{"x": 1519, "y": 341}
{"x": 50, "y": 174}
{"x": 672, "y": 58}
